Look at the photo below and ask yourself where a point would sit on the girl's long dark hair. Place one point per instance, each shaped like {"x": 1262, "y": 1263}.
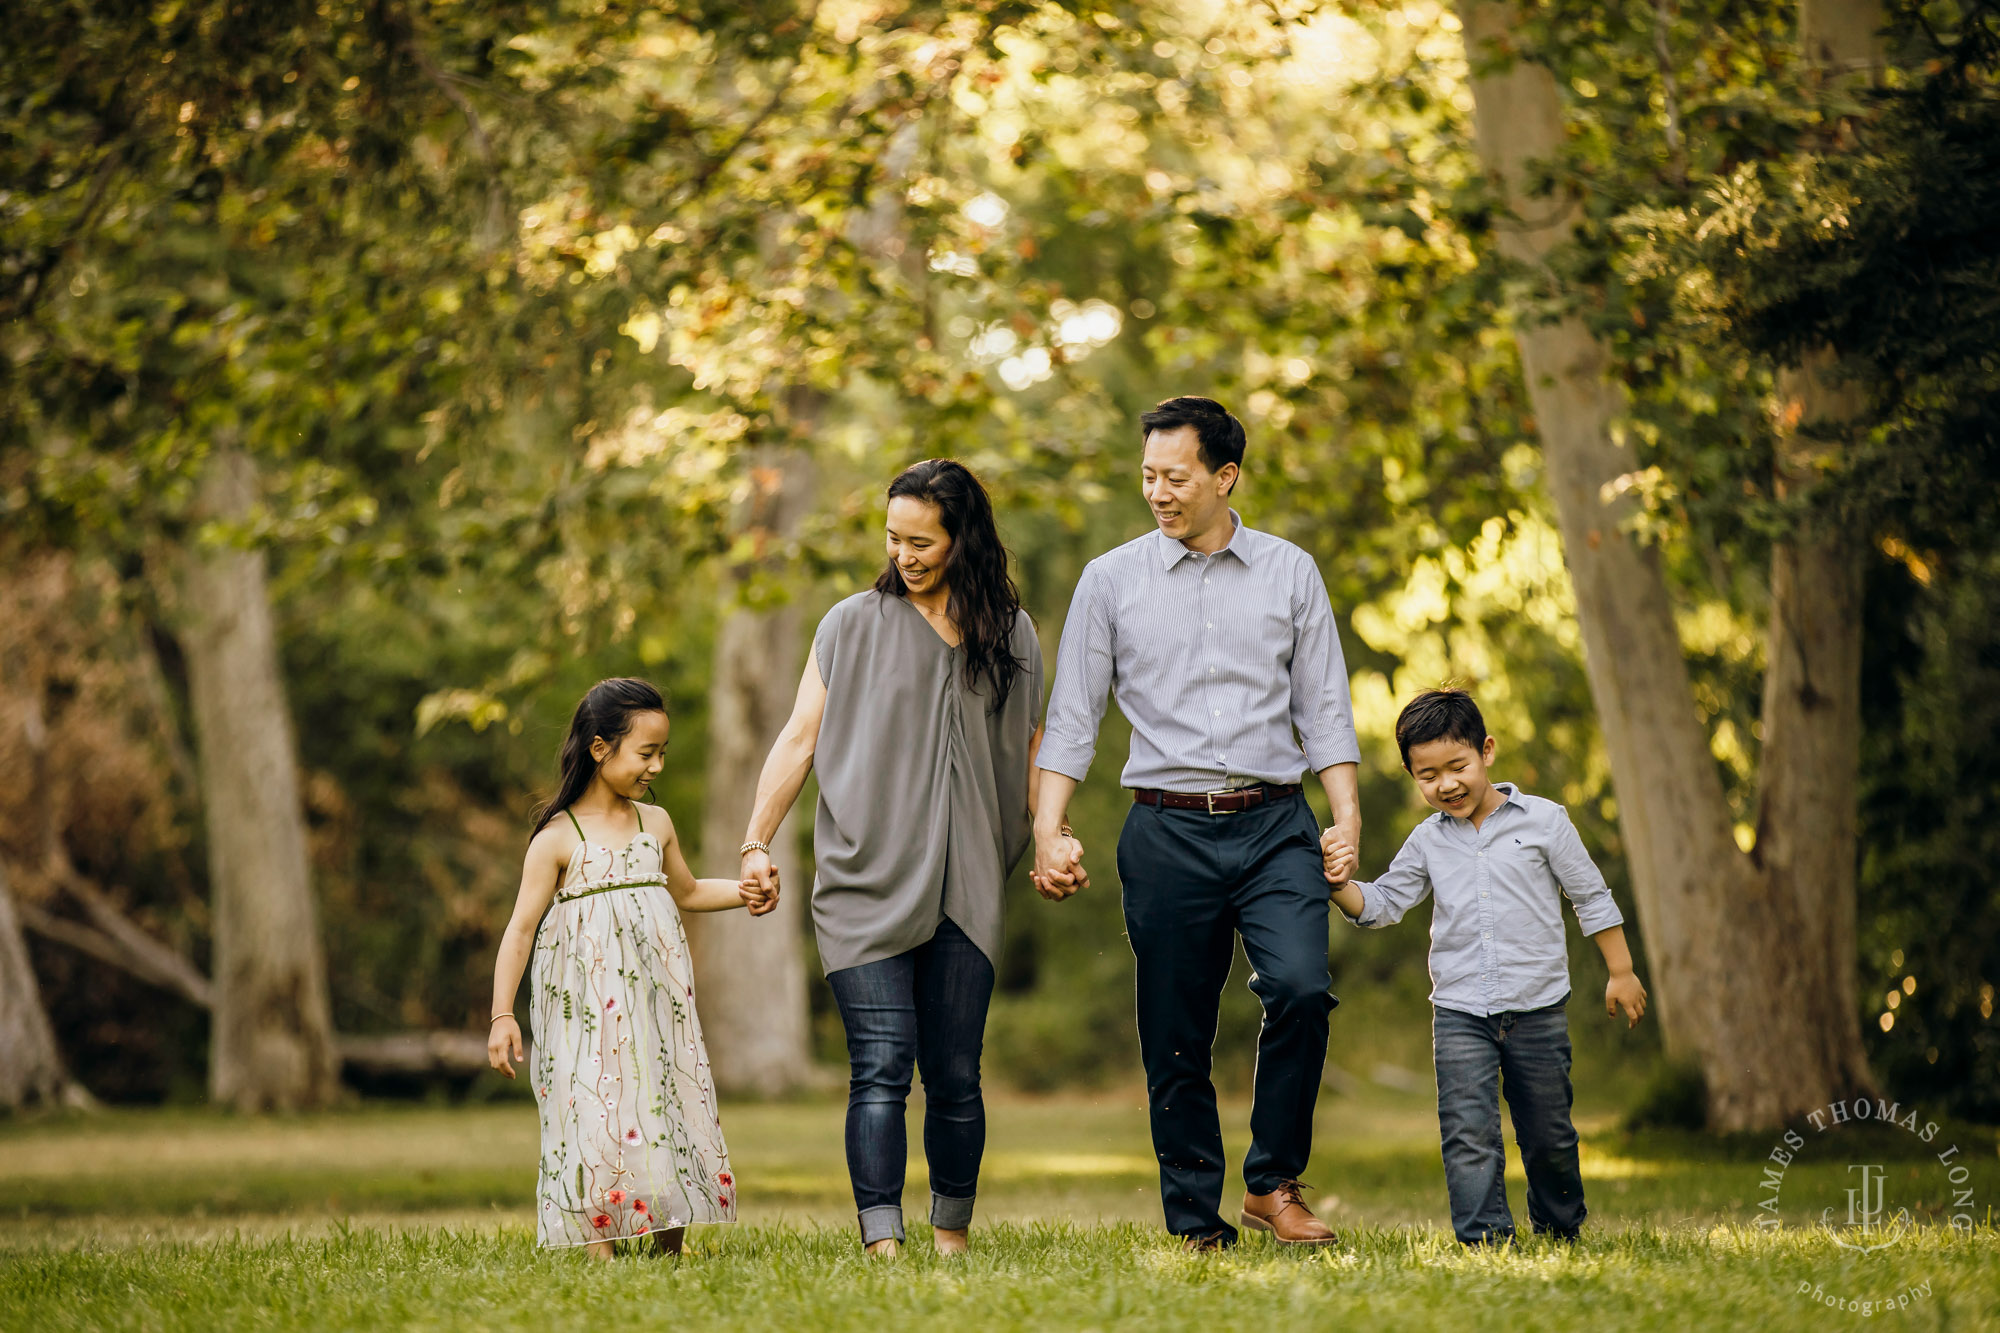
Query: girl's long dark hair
{"x": 983, "y": 600}
{"x": 605, "y": 711}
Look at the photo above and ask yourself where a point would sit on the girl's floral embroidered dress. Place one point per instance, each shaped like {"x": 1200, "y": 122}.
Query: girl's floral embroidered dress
{"x": 631, "y": 1140}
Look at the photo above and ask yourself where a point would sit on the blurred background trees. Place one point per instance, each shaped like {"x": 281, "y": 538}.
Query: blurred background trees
{"x": 546, "y": 342}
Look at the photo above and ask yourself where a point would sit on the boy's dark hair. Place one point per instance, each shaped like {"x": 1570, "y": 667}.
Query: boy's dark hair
{"x": 1220, "y": 435}
{"x": 1439, "y": 715}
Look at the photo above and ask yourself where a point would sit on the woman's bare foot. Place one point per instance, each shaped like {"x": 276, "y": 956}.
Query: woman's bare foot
{"x": 886, "y": 1248}
{"x": 599, "y": 1250}
{"x": 948, "y": 1241}
{"x": 669, "y": 1240}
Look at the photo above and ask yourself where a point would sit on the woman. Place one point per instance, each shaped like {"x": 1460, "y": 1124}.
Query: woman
{"x": 921, "y": 707}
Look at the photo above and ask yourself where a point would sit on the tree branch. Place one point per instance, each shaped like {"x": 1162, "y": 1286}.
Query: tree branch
{"x": 168, "y": 965}
{"x": 1669, "y": 91}
{"x": 716, "y": 164}
{"x": 496, "y": 224}
{"x": 131, "y": 950}
{"x": 422, "y": 60}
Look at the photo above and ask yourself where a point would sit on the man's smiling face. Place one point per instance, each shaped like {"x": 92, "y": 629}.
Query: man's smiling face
{"x": 1187, "y": 499}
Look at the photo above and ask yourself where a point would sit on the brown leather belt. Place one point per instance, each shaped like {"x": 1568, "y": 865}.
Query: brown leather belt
{"x": 1216, "y": 802}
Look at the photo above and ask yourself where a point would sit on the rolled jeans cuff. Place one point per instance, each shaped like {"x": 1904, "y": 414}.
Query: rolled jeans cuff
{"x": 951, "y": 1214}
{"x": 882, "y": 1223}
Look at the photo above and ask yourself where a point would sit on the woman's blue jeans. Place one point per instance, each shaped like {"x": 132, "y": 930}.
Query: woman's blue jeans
{"x": 924, "y": 1009}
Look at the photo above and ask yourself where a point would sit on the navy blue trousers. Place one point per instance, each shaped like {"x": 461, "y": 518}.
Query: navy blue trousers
{"x": 1192, "y": 883}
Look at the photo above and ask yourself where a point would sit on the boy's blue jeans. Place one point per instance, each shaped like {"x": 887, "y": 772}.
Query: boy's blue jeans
{"x": 924, "y": 1010}
{"x": 1526, "y": 1055}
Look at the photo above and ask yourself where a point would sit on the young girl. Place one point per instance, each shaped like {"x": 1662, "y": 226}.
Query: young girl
{"x": 631, "y": 1145}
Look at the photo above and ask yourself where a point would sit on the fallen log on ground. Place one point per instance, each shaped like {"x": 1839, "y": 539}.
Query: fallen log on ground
{"x": 413, "y": 1055}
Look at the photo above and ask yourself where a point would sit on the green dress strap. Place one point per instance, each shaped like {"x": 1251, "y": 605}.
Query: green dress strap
{"x": 636, "y": 815}
{"x": 573, "y": 824}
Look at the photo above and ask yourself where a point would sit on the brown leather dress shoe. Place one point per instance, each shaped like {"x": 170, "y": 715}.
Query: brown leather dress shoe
{"x": 1284, "y": 1214}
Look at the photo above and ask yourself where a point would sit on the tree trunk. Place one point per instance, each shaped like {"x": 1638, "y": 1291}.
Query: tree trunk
{"x": 272, "y": 1045}
{"x": 1727, "y": 940}
{"x": 31, "y": 1069}
{"x": 751, "y": 972}
{"x": 1806, "y": 818}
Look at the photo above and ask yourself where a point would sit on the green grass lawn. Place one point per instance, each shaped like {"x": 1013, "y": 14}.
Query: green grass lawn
{"x": 420, "y": 1217}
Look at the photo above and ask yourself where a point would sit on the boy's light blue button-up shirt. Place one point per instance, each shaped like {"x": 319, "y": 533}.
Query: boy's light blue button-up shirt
{"x": 1496, "y": 928}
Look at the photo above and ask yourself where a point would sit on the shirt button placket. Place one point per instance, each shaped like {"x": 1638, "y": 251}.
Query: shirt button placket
{"x": 1207, "y": 658}
{"x": 1480, "y": 876}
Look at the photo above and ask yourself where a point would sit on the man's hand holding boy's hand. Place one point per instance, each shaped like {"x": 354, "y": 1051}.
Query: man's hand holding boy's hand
{"x": 1625, "y": 991}
{"x": 1337, "y": 856}
{"x": 1340, "y": 860}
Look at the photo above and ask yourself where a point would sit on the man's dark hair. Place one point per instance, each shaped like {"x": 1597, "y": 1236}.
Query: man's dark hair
{"x": 1220, "y": 434}
{"x": 1439, "y": 715}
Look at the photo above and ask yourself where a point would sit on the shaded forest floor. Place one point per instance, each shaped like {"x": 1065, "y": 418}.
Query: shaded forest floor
{"x": 419, "y": 1216}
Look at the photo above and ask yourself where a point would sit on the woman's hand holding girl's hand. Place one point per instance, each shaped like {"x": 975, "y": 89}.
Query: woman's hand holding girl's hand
{"x": 760, "y": 882}
{"x": 504, "y": 1039}
{"x": 756, "y": 898}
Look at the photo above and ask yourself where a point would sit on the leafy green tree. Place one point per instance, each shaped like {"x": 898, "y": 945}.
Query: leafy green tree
{"x": 260, "y": 259}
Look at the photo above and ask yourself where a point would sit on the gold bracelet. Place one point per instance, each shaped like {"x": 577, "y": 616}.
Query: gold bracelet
{"x": 754, "y": 846}
{"x": 497, "y": 1017}
{"x": 1067, "y": 831}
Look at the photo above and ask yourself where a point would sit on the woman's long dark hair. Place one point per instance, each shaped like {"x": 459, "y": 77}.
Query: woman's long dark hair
{"x": 605, "y": 711}
{"x": 983, "y": 600}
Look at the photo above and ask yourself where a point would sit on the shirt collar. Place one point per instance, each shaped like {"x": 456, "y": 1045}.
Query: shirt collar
{"x": 1173, "y": 552}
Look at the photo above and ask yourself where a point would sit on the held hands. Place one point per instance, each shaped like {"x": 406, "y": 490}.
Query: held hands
{"x": 760, "y": 883}
{"x": 1058, "y": 871}
{"x": 1338, "y": 856}
{"x": 503, "y": 1039}
{"x": 1625, "y": 991}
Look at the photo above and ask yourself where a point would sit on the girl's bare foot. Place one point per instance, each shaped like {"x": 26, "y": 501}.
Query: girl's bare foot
{"x": 599, "y": 1250}
{"x": 669, "y": 1240}
{"x": 887, "y": 1248}
{"x": 948, "y": 1241}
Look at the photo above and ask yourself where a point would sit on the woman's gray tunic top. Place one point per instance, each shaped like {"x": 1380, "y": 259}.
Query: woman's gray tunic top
{"x": 923, "y": 785}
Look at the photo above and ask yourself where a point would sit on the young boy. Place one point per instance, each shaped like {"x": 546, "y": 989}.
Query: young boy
{"x": 1494, "y": 857}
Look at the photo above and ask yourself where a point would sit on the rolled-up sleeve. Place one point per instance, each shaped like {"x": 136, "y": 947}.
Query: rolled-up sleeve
{"x": 1403, "y": 885}
{"x": 1581, "y": 881}
{"x": 1322, "y": 709}
{"x": 1083, "y": 679}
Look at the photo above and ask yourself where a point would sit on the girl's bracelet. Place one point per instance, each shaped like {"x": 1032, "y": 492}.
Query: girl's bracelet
{"x": 497, "y": 1017}
{"x": 754, "y": 846}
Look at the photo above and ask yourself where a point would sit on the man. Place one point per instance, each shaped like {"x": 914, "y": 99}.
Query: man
{"x": 1219, "y": 644}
